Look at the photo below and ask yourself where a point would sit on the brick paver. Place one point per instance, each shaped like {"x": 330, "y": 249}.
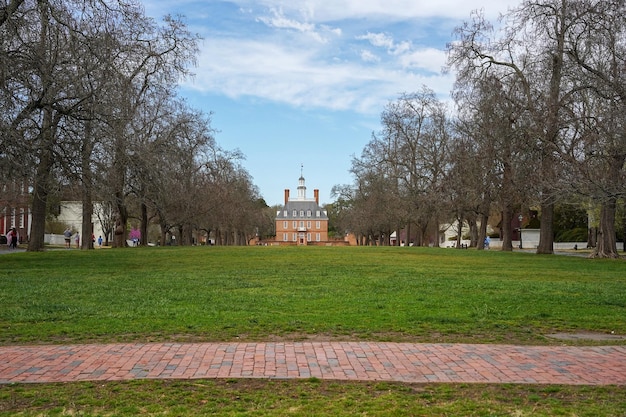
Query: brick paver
{"x": 405, "y": 362}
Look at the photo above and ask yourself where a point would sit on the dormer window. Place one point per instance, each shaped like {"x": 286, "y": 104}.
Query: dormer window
{"x": 295, "y": 213}
{"x": 285, "y": 213}
{"x": 301, "y": 213}
{"x": 308, "y": 213}
{"x": 317, "y": 213}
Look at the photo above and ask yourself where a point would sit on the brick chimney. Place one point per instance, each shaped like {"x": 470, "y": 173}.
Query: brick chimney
{"x": 316, "y": 194}
{"x": 286, "y": 195}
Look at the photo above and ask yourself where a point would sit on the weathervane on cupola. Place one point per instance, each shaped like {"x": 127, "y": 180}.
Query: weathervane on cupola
{"x": 301, "y": 186}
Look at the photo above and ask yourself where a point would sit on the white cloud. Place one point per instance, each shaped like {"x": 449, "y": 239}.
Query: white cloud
{"x": 368, "y": 56}
{"x": 406, "y": 55}
{"x": 429, "y": 59}
{"x": 278, "y": 20}
{"x": 383, "y": 40}
{"x": 311, "y": 57}
{"x": 302, "y": 58}
{"x": 296, "y": 76}
{"x": 331, "y": 10}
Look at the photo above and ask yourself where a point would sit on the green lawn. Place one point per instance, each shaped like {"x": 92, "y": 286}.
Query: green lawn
{"x": 223, "y": 293}
{"x": 294, "y": 293}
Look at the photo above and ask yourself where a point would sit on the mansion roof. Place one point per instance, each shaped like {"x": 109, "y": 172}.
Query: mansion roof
{"x": 302, "y": 209}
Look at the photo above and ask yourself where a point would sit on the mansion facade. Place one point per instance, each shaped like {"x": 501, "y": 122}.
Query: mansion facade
{"x": 301, "y": 221}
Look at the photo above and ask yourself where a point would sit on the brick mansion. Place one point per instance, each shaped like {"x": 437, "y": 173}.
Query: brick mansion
{"x": 302, "y": 221}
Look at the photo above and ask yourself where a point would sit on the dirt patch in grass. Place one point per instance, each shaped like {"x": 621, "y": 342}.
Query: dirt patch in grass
{"x": 538, "y": 337}
{"x": 588, "y": 336}
{"x": 509, "y": 338}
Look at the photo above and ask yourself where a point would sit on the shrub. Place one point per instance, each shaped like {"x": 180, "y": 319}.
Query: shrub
{"x": 578, "y": 234}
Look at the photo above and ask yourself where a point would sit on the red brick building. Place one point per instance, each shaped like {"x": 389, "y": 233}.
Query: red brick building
{"x": 302, "y": 221}
{"x": 15, "y": 209}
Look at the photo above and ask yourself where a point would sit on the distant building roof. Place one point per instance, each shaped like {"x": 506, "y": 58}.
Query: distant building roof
{"x": 304, "y": 208}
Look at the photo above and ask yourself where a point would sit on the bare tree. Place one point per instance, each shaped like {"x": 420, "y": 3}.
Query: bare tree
{"x": 492, "y": 151}
{"x": 60, "y": 58}
{"x": 41, "y": 96}
{"x": 598, "y": 48}
{"x": 410, "y": 155}
{"x": 531, "y": 49}
{"x": 143, "y": 58}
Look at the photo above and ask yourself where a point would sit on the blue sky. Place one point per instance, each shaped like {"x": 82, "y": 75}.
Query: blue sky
{"x": 303, "y": 82}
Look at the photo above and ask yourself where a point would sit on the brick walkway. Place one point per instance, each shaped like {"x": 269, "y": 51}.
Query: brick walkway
{"x": 403, "y": 362}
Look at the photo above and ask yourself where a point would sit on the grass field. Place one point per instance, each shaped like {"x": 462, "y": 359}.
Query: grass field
{"x": 296, "y": 293}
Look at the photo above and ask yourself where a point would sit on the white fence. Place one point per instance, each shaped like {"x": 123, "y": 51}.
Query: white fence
{"x": 529, "y": 241}
{"x": 52, "y": 239}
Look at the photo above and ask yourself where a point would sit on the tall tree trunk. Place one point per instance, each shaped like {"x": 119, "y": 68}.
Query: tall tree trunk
{"x": 187, "y": 238}
{"x": 607, "y": 243}
{"x": 592, "y": 237}
{"x": 507, "y": 232}
{"x": 43, "y": 173}
{"x": 119, "y": 239}
{"x": 482, "y": 232}
{"x": 144, "y": 224}
{"x": 546, "y": 232}
{"x": 423, "y": 227}
{"x": 87, "y": 225}
{"x": 407, "y": 238}
{"x": 164, "y": 229}
{"x": 553, "y": 125}
{"x": 87, "y": 184}
{"x": 474, "y": 232}
{"x": 42, "y": 185}
{"x": 39, "y": 203}
{"x": 624, "y": 227}
{"x": 506, "y": 199}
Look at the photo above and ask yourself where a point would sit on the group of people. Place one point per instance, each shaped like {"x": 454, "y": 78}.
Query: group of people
{"x": 67, "y": 234}
{"x": 12, "y": 238}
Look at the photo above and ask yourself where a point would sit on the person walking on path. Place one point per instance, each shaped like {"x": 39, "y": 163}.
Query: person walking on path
{"x": 100, "y": 241}
{"x": 12, "y": 238}
{"x": 67, "y": 234}
{"x": 9, "y": 238}
{"x": 77, "y": 240}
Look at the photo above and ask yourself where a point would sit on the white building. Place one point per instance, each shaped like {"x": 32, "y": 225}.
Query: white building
{"x": 71, "y": 215}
